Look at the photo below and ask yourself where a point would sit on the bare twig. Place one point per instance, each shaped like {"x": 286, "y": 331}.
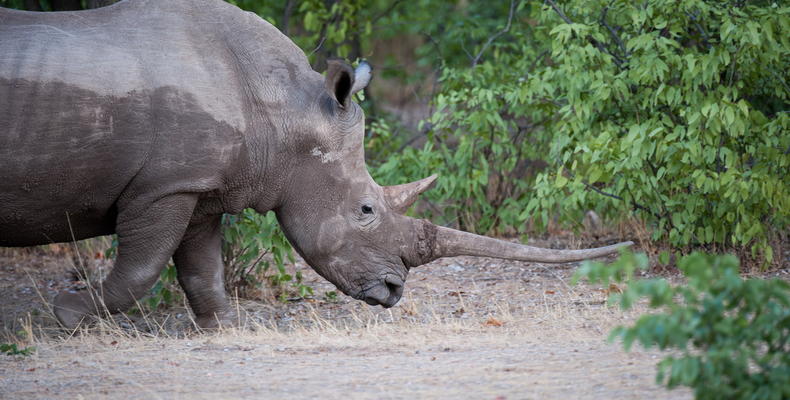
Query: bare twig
{"x": 637, "y": 206}
{"x": 700, "y": 29}
{"x": 496, "y": 35}
{"x": 373, "y": 20}
{"x": 612, "y": 32}
{"x": 419, "y": 134}
{"x": 662, "y": 205}
{"x": 536, "y": 61}
{"x": 436, "y": 45}
{"x": 257, "y": 260}
{"x": 286, "y": 21}
{"x": 387, "y": 11}
{"x": 468, "y": 54}
{"x": 74, "y": 243}
{"x": 559, "y": 12}
{"x": 731, "y": 73}
{"x": 781, "y": 80}
{"x": 435, "y": 84}
{"x": 321, "y": 42}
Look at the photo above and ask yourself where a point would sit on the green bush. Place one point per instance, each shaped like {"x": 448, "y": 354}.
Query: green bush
{"x": 729, "y": 337}
{"x": 679, "y": 109}
{"x": 334, "y": 28}
{"x": 483, "y": 145}
{"x": 166, "y": 291}
{"x": 252, "y": 244}
{"x": 673, "y": 111}
{"x": 11, "y": 349}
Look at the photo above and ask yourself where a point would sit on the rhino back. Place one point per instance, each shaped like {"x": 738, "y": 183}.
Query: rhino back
{"x": 100, "y": 108}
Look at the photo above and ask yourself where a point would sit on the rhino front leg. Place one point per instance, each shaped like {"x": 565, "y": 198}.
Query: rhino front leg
{"x": 147, "y": 237}
{"x": 201, "y": 273}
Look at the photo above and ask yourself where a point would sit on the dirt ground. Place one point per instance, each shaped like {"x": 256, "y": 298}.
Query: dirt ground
{"x": 465, "y": 328}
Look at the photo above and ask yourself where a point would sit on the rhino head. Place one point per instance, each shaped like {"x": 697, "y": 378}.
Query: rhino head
{"x": 351, "y": 230}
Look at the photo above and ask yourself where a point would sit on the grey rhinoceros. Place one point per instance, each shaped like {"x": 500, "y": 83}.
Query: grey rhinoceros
{"x": 151, "y": 118}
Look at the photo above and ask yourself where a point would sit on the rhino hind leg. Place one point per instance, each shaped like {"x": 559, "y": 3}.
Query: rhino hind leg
{"x": 200, "y": 270}
{"x": 146, "y": 240}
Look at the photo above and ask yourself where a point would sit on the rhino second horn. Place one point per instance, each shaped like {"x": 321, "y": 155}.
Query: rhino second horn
{"x": 401, "y": 197}
{"x": 450, "y": 242}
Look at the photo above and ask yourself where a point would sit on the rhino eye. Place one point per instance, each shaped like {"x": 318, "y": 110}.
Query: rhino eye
{"x": 366, "y": 209}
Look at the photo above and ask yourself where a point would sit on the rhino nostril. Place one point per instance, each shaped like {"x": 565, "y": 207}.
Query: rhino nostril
{"x": 394, "y": 285}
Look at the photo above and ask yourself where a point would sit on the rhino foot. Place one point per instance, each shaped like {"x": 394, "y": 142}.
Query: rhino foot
{"x": 72, "y": 308}
{"x": 229, "y": 319}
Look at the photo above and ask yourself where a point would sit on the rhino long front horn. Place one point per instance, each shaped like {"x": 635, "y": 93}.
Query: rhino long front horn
{"x": 450, "y": 242}
{"x": 401, "y": 197}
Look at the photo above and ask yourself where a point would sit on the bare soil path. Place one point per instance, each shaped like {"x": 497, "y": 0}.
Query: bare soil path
{"x": 456, "y": 365}
{"x": 466, "y": 328}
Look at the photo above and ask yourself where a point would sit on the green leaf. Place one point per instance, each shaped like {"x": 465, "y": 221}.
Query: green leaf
{"x": 663, "y": 257}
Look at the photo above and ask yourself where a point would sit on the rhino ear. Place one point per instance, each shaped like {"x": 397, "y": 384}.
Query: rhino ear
{"x": 401, "y": 197}
{"x": 339, "y": 80}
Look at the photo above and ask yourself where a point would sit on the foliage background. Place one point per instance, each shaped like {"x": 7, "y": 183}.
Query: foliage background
{"x": 729, "y": 336}
{"x": 672, "y": 113}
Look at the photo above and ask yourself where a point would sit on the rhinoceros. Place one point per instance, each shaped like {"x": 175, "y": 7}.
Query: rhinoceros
{"x": 151, "y": 119}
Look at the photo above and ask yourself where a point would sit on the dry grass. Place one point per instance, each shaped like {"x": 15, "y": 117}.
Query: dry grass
{"x": 554, "y": 313}
{"x": 467, "y": 327}
{"x": 417, "y": 351}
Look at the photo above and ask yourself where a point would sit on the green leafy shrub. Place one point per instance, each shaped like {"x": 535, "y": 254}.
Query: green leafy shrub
{"x": 673, "y": 111}
{"x": 729, "y": 336}
{"x": 319, "y": 27}
{"x": 252, "y": 244}
{"x": 166, "y": 290}
{"x": 484, "y": 146}
{"x": 12, "y": 349}
{"x": 677, "y": 109}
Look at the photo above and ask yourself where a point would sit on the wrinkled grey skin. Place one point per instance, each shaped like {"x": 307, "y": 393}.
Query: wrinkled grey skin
{"x": 150, "y": 119}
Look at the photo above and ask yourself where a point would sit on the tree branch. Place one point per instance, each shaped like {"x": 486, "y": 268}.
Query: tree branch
{"x": 637, "y": 206}
{"x": 496, "y": 35}
{"x": 559, "y": 12}
{"x": 700, "y": 29}
{"x": 592, "y": 40}
{"x": 385, "y": 12}
{"x": 321, "y": 42}
{"x": 781, "y": 80}
{"x": 331, "y": 21}
{"x": 612, "y": 32}
{"x": 287, "y": 12}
